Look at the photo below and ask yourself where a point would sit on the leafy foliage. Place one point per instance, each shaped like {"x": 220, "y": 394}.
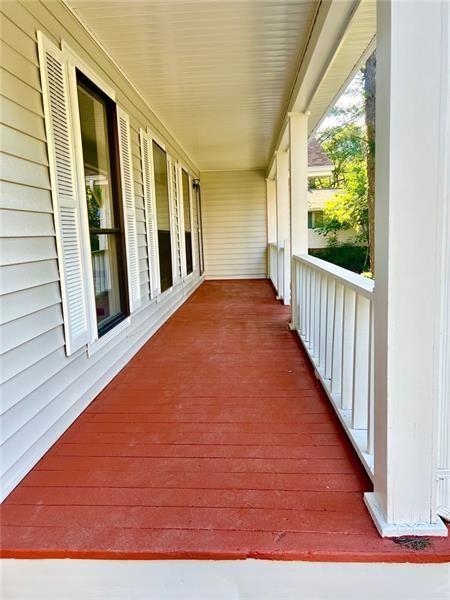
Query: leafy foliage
{"x": 343, "y": 144}
{"x": 348, "y": 209}
{"x": 348, "y": 139}
{"x": 353, "y": 258}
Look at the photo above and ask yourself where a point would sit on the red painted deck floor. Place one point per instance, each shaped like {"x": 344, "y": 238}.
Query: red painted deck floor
{"x": 215, "y": 441}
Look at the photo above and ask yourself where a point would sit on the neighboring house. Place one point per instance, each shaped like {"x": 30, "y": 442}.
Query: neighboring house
{"x": 320, "y": 170}
{"x": 193, "y": 406}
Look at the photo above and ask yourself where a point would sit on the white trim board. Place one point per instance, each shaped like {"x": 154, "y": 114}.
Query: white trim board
{"x": 220, "y": 580}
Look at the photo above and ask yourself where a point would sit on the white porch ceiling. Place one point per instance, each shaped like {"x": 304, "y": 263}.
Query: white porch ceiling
{"x": 218, "y": 73}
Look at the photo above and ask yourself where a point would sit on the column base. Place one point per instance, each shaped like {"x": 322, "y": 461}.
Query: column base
{"x": 386, "y": 529}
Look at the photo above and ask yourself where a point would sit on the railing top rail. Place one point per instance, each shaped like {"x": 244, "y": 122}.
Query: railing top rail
{"x": 361, "y": 285}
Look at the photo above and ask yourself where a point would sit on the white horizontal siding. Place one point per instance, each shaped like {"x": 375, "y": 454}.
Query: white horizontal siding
{"x": 317, "y": 240}
{"x": 234, "y": 224}
{"x": 43, "y": 390}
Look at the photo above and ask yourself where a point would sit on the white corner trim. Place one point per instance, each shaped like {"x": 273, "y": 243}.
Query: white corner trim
{"x": 99, "y": 343}
{"x": 386, "y": 529}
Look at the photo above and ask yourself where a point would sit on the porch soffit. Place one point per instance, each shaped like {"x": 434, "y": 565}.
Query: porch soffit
{"x": 220, "y": 73}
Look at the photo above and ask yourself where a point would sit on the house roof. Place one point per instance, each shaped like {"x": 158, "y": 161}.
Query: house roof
{"x": 317, "y": 156}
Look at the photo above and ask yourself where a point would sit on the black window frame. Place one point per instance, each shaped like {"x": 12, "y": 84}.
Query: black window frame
{"x": 160, "y": 232}
{"x": 116, "y": 198}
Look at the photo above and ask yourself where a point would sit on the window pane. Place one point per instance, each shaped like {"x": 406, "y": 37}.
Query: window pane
{"x": 106, "y": 278}
{"x": 318, "y": 218}
{"x": 163, "y": 217}
{"x": 98, "y": 139}
{"x": 187, "y": 221}
{"x": 97, "y": 166}
{"x": 310, "y": 220}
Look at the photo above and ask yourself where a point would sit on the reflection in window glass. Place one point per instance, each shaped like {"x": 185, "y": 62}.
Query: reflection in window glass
{"x": 163, "y": 217}
{"x": 106, "y": 277}
{"x": 187, "y": 221}
{"x": 96, "y": 114}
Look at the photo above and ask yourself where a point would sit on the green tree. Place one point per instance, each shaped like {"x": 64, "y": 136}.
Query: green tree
{"x": 350, "y": 143}
{"x": 348, "y": 209}
{"x": 343, "y": 144}
{"x": 369, "y": 73}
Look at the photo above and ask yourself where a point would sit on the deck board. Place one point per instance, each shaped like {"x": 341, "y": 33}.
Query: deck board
{"x": 215, "y": 441}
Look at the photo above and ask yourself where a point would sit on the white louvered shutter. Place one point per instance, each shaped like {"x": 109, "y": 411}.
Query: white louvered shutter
{"x": 175, "y": 216}
{"x": 126, "y": 170}
{"x": 150, "y": 212}
{"x": 193, "y": 227}
{"x": 66, "y": 207}
{"x": 181, "y": 220}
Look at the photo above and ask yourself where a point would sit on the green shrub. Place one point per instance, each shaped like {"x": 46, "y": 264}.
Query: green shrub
{"x": 353, "y": 258}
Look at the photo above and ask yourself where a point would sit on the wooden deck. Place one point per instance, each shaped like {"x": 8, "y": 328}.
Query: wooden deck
{"x": 216, "y": 441}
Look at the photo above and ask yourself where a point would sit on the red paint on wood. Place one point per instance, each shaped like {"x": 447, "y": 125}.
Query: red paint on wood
{"x": 215, "y": 442}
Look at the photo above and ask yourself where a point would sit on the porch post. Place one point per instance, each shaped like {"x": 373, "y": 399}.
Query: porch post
{"x": 412, "y": 62}
{"x": 271, "y": 215}
{"x": 298, "y": 162}
{"x": 283, "y": 228}
{"x": 271, "y": 211}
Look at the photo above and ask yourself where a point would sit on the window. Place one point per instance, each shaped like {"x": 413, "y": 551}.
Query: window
{"x": 315, "y": 219}
{"x": 98, "y": 121}
{"x": 163, "y": 217}
{"x": 187, "y": 221}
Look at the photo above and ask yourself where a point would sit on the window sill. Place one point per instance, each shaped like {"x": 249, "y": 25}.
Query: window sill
{"x": 99, "y": 343}
{"x": 161, "y": 297}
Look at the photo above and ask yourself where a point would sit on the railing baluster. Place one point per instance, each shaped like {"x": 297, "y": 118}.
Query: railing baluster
{"x": 316, "y": 350}
{"x": 299, "y": 297}
{"x": 323, "y": 322}
{"x": 371, "y": 427}
{"x": 294, "y": 308}
{"x": 312, "y": 340}
{"x": 348, "y": 344}
{"x": 307, "y": 304}
{"x": 336, "y": 363}
{"x": 329, "y": 327}
{"x": 360, "y": 413}
{"x": 304, "y": 296}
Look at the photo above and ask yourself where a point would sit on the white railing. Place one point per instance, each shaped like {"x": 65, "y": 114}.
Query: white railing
{"x": 332, "y": 313}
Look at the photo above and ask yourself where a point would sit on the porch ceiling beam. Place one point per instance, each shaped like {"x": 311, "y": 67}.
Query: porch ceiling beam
{"x": 331, "y": 26}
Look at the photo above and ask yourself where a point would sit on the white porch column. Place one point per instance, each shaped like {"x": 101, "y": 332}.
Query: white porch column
{"x": 271, "y": 198}
{"x": 298, "y": 163}
{"x": 412, "y": 61}
{"x": 271, "y": 211}
{"x": 283, "y": 227}
{"x": 298, "y": 144}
